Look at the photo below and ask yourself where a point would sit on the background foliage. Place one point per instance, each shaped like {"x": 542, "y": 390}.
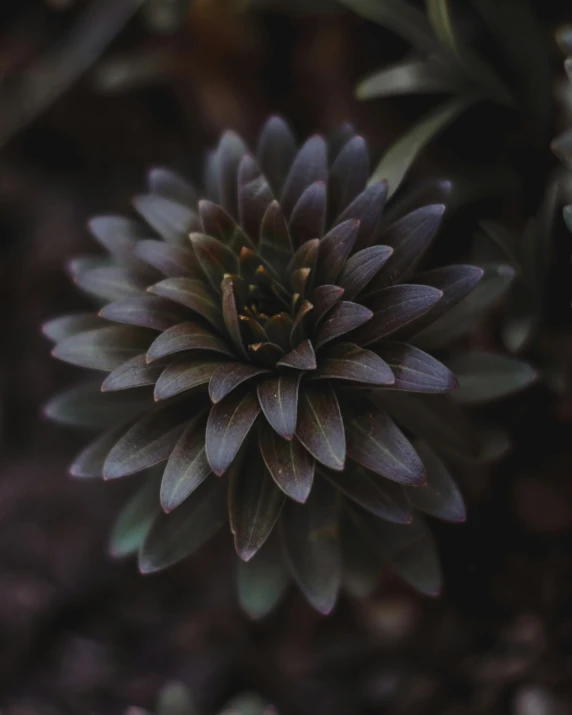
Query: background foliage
{"x": 81, "y": 634}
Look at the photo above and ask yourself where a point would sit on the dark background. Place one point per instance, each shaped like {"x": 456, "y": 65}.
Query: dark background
{"x": 82, "y": 634}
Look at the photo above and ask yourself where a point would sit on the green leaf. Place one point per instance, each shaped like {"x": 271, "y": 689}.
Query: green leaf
{"x": 373, "y": 493}
{"x": 310, "y": 539}
{"x": 255, "y": 503}
{"x": 488, "y": 376}
{"x": 186, "y": 336}
{"x": 375, "y": 442}
{"x": 89, "y": 463}
{"x": 398, "y": 160}
{"x": 346, "y": 361}
{"x": 133, "y": 373}
{"x": 278, "y": 397}
{"x": 86, "y": 406}
{"x": 104, "y": 348}
{"x": 150, "y": 441}
{"x": 440, "y": 497}
{"x": 289, "y": 464}
{"x": 135, "y": 520}
{"x": 185, "y": 374}
{"x": 187, "y": 466}
{"x": 262, "y": 580}
{"x": 175, "y": 699}
{"x": 409, "y": 77}
{"x": 228, "y": 425}
{"x": 361, "y": 563}
{"x": 320, "y": 426}
{"x": 175, "y": 536}
{"x": 59, "y": 329}
{"x": 193, "y": 294}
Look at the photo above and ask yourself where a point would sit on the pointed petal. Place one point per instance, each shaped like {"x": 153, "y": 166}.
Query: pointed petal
{"x": 230, "y": 151}
{"x": 440, "y": 497}
{"x": 349, "y": 175}
{"x": 185, "y": 374}
{"x": 367, "y": 208}
{"x": 146, "y": 311}
{"x": 215, "y": 258}
{"x": 193, "y": 294}
{"x": 133, "y": 373}
{"x": 170, "y": 219}
{"x": 276, "y": 152}
{"x": 334, "y": 250}
{"x": 254, "y": 196}
{"x": 309, "y": 214}
{"x": 168, "y": 258}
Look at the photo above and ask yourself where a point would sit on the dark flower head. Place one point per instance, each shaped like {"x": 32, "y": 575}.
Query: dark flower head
{"x": 266, "y": 346}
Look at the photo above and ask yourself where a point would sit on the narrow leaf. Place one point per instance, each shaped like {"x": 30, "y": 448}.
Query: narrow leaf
{"x": 149, "y": 442}
{"x": 254, "y": 196}
{"x": 229, "y": 376}
{"x": 255, "y": 503}
{"x": 361, "y": 268}
{"x": 342, "y": 319}
{"x": 59, "y": 329}
{"x": 302, "y": 357}
{"x": 321, "y": 428}
{"x": 228, "y": 424}
{"x": 172, "y": 221}
{"x": 309, "y": 214}
{"x": 310, "y": 165}
{"x": 350, "y": 362}
{"x": 278, "y": 397}
{"x": 187, "y": 467}
{"x": 335, "y": 249}
{"x": 146, "y": 311}
{"x": 367, "y": 208}
{"x": 310, "y": 539}
{"x": 415, "y": 370}
{"x": 488, "y": 376}
{"x": 395, "y": 307}
{"x": 175, "y": 536}
{"x": 290, "y": 465}
{"x": 104, "y": 348}
{"x": 276, "y": 152}
{"x": 324, "y": 298}
{"x": 89, "y": 463}
{"x": 170, "y": 259}
{"x": 185, "y": 374}
{"x": 398, "y": 160}
{"x": 133, "y": 373}
{"x": 193, "y": 294}
{"x": 186, "y": 336}
{"x": 409, "y": 77}
{"x": 215, "y": 258}
{"x": 375, "y": 442}
{"x": 440, "y": 497}
{"x": 348, "y": 175}
{"x": 230, "y": 315}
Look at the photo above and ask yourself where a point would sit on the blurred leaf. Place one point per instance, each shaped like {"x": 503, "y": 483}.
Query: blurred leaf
{"x": 489, "y": 376}
{"x": 440, "y": 497}
{"x": 397, "y": 161}
{"x": 135, "y": 520}
{"x": 362, "y": 564}
{"x": 408, "y": 77}
{"x": 262, "y": 580}
{"x": 175, "y": 536}
{"x": 310, "y": 539}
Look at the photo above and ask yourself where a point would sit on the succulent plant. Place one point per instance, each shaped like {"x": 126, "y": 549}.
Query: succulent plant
{"x": 269, "y": 343}
{"x": 176, "y": 699}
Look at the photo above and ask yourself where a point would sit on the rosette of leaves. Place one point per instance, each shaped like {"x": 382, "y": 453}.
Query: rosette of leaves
{"x": 176, "y": 699}
{"x": 446, "y": 61}
{"x": 267, "y": 358}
